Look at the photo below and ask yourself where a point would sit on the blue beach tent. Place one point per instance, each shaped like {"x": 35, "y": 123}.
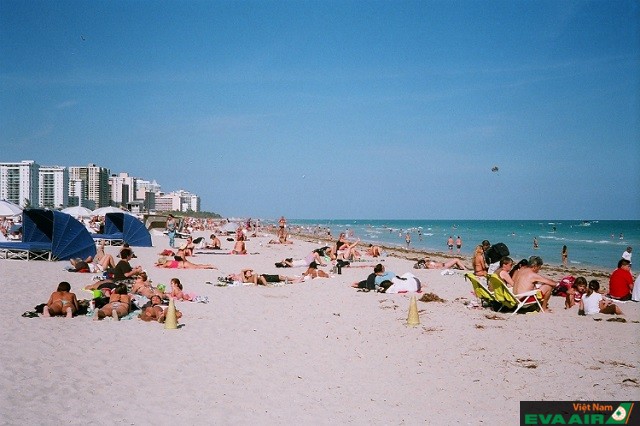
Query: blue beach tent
{"x": 132, "y": 229}
{"x": 68, "y": 237}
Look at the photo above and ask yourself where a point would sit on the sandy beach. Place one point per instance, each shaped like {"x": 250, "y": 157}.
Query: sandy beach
{"x": 317, "y": 352}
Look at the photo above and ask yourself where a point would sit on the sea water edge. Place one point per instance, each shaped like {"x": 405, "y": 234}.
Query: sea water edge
{"x": 597, "y": 243}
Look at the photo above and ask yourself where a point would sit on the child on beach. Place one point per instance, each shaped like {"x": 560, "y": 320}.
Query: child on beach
{"x": 593, "y": 302}
{"x": 176, "y": 291}
{"x": 575, "y": 293}
{"x": 61, "y": 302}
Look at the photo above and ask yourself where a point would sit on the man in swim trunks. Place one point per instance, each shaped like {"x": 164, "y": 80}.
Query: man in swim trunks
{"x": 61, "y": 302}
{"x": 527, "y": 278}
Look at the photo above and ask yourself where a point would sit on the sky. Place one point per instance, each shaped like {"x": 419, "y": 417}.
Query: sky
{"x": 336, "y": 109}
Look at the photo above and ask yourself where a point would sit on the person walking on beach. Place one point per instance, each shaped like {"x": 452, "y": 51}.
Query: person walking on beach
{"x": 565, "y": 256}
{"x": 450, "y": 243}
{"x": 171, "y": 230}
{"x": 458, "y": 243}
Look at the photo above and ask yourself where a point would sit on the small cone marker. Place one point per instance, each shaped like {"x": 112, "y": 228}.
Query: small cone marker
{"x": 413, "y": 319}
{"x": 170, "y": 321}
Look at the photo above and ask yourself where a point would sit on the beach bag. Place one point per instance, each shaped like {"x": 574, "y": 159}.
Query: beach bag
{"x": 497, "y": 252}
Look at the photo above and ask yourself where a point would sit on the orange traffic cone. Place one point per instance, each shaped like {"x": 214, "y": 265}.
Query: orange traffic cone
{"x": 413, "y": 319}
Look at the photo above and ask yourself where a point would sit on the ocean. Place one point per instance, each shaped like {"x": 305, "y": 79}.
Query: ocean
{"x": 598, "y": 243}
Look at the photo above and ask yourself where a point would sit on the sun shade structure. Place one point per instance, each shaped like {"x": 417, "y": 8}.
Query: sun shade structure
{"x": 51, "y": 235}
{"x": 130, "y": 227}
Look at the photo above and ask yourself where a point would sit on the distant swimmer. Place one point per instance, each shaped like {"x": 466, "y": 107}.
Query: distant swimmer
{"x": 535, "y": 242}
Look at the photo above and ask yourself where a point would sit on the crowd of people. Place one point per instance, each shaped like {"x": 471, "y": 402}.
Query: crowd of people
{"x": 123, "y": 283}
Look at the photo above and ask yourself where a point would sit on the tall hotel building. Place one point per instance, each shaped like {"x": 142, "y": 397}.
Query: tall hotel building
{"x": 94, "y": 188}
{"x": 54, "y": 184}
{"x": 19, "y": 183}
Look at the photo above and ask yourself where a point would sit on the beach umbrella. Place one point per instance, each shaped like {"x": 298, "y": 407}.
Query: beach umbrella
{"x": 8, "y": 209}
{"x": 102, "y": 211}
{"x": 230, "y": 227}
{"x": 78, "y": 211}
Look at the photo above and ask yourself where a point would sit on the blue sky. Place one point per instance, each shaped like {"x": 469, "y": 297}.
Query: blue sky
{"x": 337, "y": 109}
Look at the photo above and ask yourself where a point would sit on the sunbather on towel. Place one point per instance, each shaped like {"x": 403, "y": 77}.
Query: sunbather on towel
{"x": 182, "y": 263}
{"x": 91, "y": 265}
{"x": 142, "y": 286}
{"x": 214, "y": 243}
{"x": 154, "y": 311}
{"x": 61, "y": 302}
{"x": 239, "y": 247}
{"x": 449, "y": 264}
{"x": 118, "y": 306}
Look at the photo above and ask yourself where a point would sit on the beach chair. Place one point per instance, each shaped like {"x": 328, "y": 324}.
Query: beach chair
{"x": 481, "y": 291}
{"x": 508, "y": 299}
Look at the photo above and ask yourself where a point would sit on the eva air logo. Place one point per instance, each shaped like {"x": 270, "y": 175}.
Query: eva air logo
{"x": 621, "y": 414}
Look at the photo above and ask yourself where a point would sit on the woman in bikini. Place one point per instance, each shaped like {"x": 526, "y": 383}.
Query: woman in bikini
{"x": 180, "y": 262}
{"x": 61, "y": 302}
{"x": 142, "y": 286}
{"x": 118, "y": 306}
{"x": 480, "y": 267}
{"x": 449, "y": 264}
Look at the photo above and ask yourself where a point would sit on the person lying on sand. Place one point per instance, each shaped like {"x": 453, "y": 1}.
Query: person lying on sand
{"x": 61, "y": 302}
{"x": 316, "y": 255}
{"x": 153, "y": 311}
{"x": 91, "y": 265}
{"x": 373, "y": 251}
{"x": 118, "y": 306}
{"x": 449, "y": 264}
{"x": 142, "y": 286}
{"x": 313, "y": 272}
{"x": 182, "y": 263}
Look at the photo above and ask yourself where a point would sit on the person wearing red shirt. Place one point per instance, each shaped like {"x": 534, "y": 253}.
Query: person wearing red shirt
{"x": 621, "y": 281}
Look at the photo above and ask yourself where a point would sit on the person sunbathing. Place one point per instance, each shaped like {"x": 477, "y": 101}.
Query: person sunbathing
{"x": 92, "y": 265}
{"x": 118, "y": 306}
{"x": 188, "y": 247}
{"x": 176, "y": 291}
{"x": 180, "y": 262}
{"x": 239, "y": 247}
{"x": 527, "y": 278}
{"x": 506, "y": 263}
{"x": 480, "y": 267}
{"x": 61, "y": 302}
{"x": 313, "y": 272}
{"x": 316, "y": 256}
{"x": 142, "y": 286}
{"x": 214, "y": 244}
{"x": 154, "y": 311}
{"x": 449, "y": 264}
{"x": 373, "y": 251}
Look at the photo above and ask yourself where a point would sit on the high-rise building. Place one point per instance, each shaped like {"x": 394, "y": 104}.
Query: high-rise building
{"x": 122, "y": 189}
{"x": 19, "y": 183}
{"x": 53, "y": 187}
{"x": 96, "y": 183}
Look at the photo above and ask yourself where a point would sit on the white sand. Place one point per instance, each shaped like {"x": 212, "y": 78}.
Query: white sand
{"x": 312, "y": 353}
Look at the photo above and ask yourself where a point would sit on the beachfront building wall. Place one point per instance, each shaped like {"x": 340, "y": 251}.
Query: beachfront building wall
{"x": 96, "y": 183}
{"x": 53, "y": 187}
{"x": 19, "y": 183}
{"x": 167, "y": 202}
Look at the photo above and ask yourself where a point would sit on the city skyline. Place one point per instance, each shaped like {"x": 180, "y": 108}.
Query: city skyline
{"x": 29, "y": 183}
{"x": 338, "y": 109}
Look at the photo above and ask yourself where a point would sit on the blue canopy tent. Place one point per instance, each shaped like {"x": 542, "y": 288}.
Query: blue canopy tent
{"x": 130, "y": 227}
{"x": 52, "y": 235}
